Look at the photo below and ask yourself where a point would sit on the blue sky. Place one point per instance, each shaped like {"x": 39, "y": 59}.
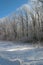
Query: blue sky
{"x": 9, "y": 6}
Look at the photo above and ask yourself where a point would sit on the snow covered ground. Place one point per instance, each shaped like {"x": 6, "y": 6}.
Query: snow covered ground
{"x": 20, "y": 54}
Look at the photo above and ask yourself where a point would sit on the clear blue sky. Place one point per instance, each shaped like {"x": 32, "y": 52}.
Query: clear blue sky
{"x": 9, "y": 6}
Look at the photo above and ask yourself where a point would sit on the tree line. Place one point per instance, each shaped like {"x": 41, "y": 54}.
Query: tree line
{"x": 26, "y": 24}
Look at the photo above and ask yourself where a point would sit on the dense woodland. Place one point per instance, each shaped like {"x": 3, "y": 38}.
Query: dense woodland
{"x": 26, "y": 24}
